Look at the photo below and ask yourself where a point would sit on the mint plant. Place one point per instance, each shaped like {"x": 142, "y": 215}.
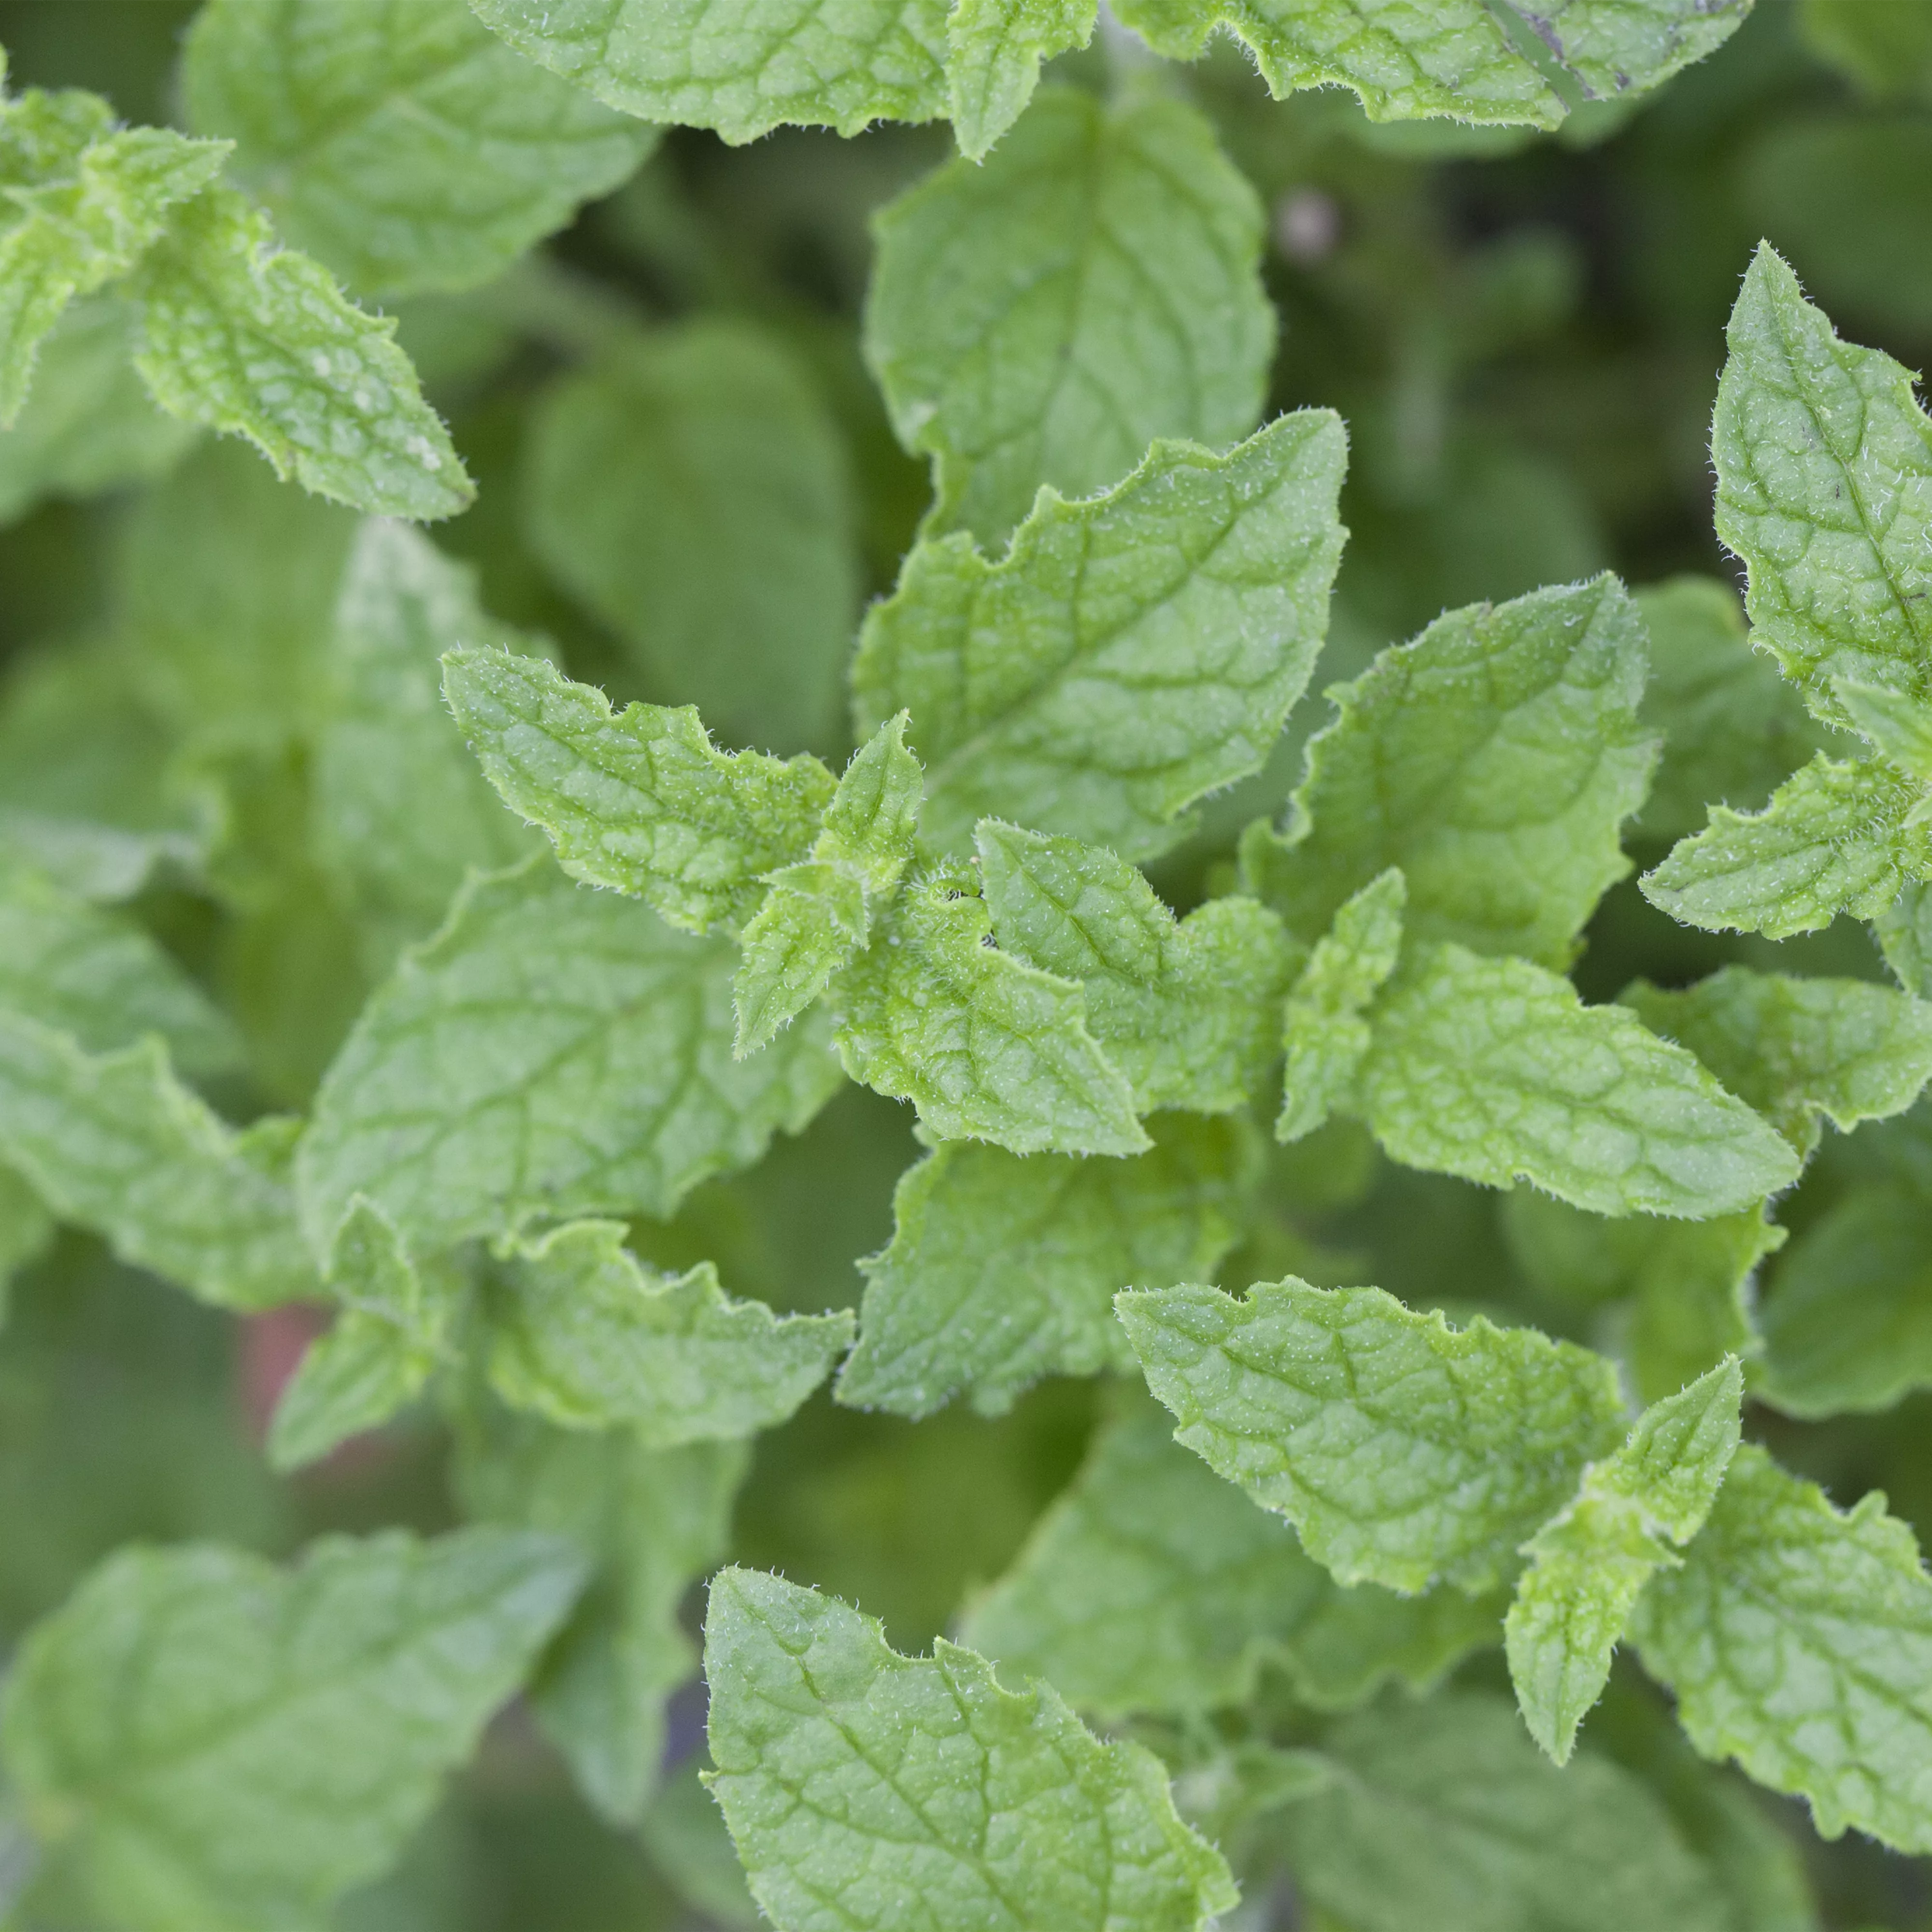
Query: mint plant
{"x": 1045, "y": 1092}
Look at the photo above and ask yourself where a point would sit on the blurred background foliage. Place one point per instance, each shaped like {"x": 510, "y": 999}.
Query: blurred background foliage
{"x": 1524, "y": 333}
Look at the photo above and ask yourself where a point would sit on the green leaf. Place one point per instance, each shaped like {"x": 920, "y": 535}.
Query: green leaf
{"x": 1848, "y": 1324}
{"x": 690, "y": 489}
{"x": 1801, "y": 1051}
{"x": 1003, "y": 1270}
{"x": 1898, "y": 724}
{"x": 116, "y": 1143}
{"x": 260, "y": 342}
{"x": 847, "y": 1772}
{"x": 1904, "y": 930}
{"x": 403, "y": 144}
{"x": 1798, "y": 1639}
{"x": 1152, "y": 1585}
{"x": 986, "y": 1047}
{"x": 1188, "y": 1009}
{"x": 80, "y": 204}
{"x": 1493, "y": 759}
{"x": 89, "y": 424}
{"x": 1444, "y": 1814}
{"x": 583, "y": 1335}
{"x": 653, "y": 1521}
{"x": 291, "y": 1728}
{"x": 1688, "y": 1283}
{"x": 1043, "y": 318}
{"x": 387, "y": 1341}
{"x": 399, "y": 810}
{"x": 1324, "y": 1030}
{"x": 641, "y": 800}
{"x": 818, "y": 913}
{"x": 1837, "y": 837}
{"x": 839, "y": 63}
{"x": 1128, "y": 653}
{"x": 994, "y": 49}
{"x": 1494, "y": 1070}
{"x": 552, "y": 1052}
{"x": 1403, "y": 1451}
{"x": 1824, "y": 463}
{"x": 97, "y": 976}
{"x": 1733, "y": 731}
{"x": 1590, "y": 1561}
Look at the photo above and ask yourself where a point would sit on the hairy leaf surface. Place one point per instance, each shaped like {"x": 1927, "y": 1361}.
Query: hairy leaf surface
{"x": 1003, "y": 1270}
{"x": 1188, "y": 1009}
{"x": 1494, "y": 759}
{"x": 904, "y": 1786}
{"x": 1152, "y": 1585}
{"x": 640, "y": 800}
{"x": 1798, "y": 1639}
{"x": 584, "y": 1335}
{"x": 551, "y": 1052}
{"x": 1402, "y": 1451}
{"x": 1043, "y": 318}
{"x": 1129, "y": 653}
{"x": 1492, "y": 1070}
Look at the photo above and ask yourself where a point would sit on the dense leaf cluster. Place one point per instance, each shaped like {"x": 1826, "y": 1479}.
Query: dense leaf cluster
{"x": 1336, "y": 1190}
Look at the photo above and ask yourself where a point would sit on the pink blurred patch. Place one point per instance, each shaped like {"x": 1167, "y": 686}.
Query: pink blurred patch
{"x": 271, "y": 1348}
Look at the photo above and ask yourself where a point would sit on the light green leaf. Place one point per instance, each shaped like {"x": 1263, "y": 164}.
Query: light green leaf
{"x": 1129, "y": 653}
{"x": 1801, "y": 1051}
{"x": 387, "y": 1341}
{"x": 80, "y": 203}
{"x": 1904, "y": 930}
{"x": 1848, "y": 1324}
{"x": 1152, "y": 1585}
{"x": 292, "y": 1727}
{"x": 653, "y": 1520}
{"x": 640, "y": 800}
{"x": 848, "y": 1771}
{"x": 819, "y": 913}
{"x": 402, "y": 144}
{"x": 1898, "y": 724}
{"x": 994, "y": 49}
{"x": 1444, "y": 1814}
{"x": 1837, "y": 837}
{"x": 552, "y": 1052}
{"x": 1003, "y": 1270}
{"x": 1043, "y": 318}
{"x": 1494, "y": 759}
{"x": 1494, "y": 1070}
{"x": 1403, "y": 1451}
{"x": 89, "y": 424}
{"x": 1824, "y": 463}
{"x": 116, "y": 1143}
{"x": 1688, "y": 1283}
{"x": 1324, "y": 1030}
{"x": 1733, "y": 731}
{"x": 690, "y": 488}
{"x": 399, "y": 810}
{"x": 1188, "y": 1009}
{"x": 1591, "y": 1561}
{"x": 718, "y": 64}
{"x": 584, "y": 1335}
{"x": 986, "y": 1047}
{"x": 261, "y": 342}
{"x": 1798, "y": 1639}
{"x": 97, "y": 975}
